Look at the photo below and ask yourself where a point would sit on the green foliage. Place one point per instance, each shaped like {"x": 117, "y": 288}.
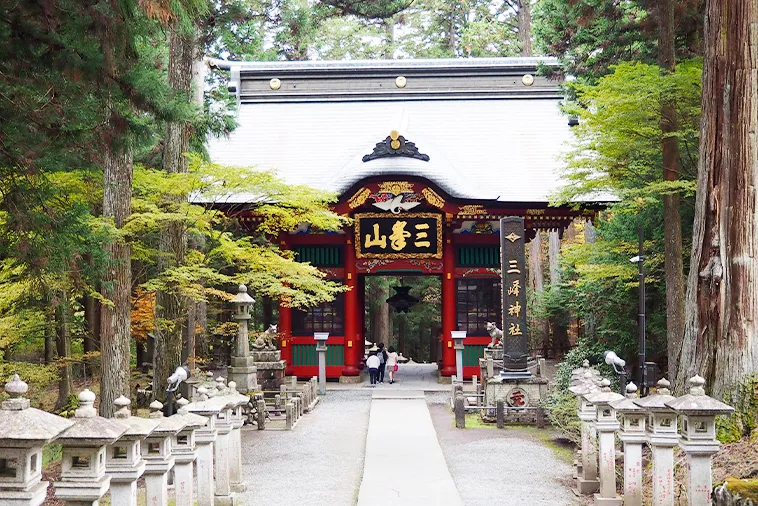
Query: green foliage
{"x": 37, "y": 376}
{"x": 744, "y": 421}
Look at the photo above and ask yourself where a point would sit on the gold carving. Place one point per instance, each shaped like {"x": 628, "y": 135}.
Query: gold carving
{"x": 358, "y": 242}
{"x": 535, "y": 212}
{"x": 513, "y": 237}
{"x": 359, "y": 198}
{"x": 395, "y": 187}
{"x": 432, "y": 197}
{"x": 472, "y": 209}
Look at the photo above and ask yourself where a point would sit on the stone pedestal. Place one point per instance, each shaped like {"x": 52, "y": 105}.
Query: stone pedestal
{"x": 245, "y": 374}
{"x": 222, "y": 486}
{"x": 270, "y": 369}
{"x": 157, "y": 452}
{"x": 521, "y": 392}
{"x": 587, "y": 482}
{"x": 632, "y": 434}
{"x": 204, "y": 439}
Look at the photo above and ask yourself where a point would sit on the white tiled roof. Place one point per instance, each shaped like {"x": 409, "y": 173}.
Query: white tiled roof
{"x": 507, "y": 149}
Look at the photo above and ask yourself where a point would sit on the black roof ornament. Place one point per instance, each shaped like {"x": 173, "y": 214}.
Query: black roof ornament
{"x": 395, "y": 145}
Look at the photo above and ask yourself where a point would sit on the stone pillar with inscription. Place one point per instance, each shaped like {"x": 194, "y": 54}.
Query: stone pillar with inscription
{"x": 513, "y": 380}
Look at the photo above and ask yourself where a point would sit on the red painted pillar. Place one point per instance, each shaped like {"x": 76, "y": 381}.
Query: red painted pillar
{"x": 285, "y": 326}
{"x": 352, "y": 339}
{"x": 449, "y": 317}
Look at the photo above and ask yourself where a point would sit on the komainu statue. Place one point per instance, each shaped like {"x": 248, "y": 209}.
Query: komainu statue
{"x": 266, "y": 341}
{"x": 496, "y": 334}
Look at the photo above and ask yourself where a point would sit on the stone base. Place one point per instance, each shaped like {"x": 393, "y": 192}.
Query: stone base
{"x": 34, "y": 496}
{"x": 266, "y": 356}
{"x": 226, "y": 500}
{"x": 244, "y": 373}
{"x": 82, "y": 492}
{"x": 587, "y": 487}
{"x": 605, "y": 501}
{"x": 351, "y": 380}
{"x": 270, "y": 374}
{"x": 238, "y": 488}
{"x": 497, "y": 389}
{"x": 444, "y": 380}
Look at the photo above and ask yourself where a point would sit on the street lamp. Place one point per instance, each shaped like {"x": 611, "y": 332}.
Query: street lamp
{"x": 640, "y": 261}
{"x": 180, "y": 374}
{"x": 618, "y": 365}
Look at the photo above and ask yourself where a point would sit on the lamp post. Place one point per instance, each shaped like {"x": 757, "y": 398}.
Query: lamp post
{"x": 321, "y": 338}
{"x": 458, "y": 337}
{"x": 180, "y": 374}
{"x": 640, "y": 261}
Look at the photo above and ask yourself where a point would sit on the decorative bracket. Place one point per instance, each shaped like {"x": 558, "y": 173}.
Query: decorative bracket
{"x": 395, "y": 145}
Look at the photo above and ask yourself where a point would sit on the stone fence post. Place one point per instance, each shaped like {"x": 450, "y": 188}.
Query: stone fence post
{"x": 205, "y": 439}
{"x": 698, "y": 438}
{"x": 23, "y": 432}
{"x": 83, "y": 480}
{"x": 586, "y": 480}
{"x": 123, "y": 459}
{"x": 606, "y": 425}
{"x": 222, "y": 486}
{"x": 185, "y": 452}
{"x": 662, "y": 437}
{"x": 235, "y": 441}
{"x": 632, "y": 434}
{"x": 158, "y": 455}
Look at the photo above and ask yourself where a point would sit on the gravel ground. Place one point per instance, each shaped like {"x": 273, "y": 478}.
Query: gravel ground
{"x": 320, "y": 462}
{"x": 492, "y": 466}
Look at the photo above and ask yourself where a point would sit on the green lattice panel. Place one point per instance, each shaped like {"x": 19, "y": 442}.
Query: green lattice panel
{"x": 305, "y": 354}
{"x": 472, "y": 353}
{"x": 322, "y": 256}
{"x": 478, "y": 256}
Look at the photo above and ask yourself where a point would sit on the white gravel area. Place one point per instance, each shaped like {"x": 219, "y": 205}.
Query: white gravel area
{"x": 320, "y": 462}
{"x": 505, "y": 467}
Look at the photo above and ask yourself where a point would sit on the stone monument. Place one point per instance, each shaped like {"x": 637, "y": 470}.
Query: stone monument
{"x": 268, "y": 360}
{"x": 508, "y": 374}
{"x": 243, "y": 371}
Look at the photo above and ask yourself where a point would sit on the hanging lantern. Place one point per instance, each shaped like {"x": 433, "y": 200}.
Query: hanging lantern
{"x": 402, "y": 301}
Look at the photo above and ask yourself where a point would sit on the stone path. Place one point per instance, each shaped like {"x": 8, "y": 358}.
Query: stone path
{"x": 318, "y": 463}
{"x": 413, "y": 455}
{"x": 404, "y": 462}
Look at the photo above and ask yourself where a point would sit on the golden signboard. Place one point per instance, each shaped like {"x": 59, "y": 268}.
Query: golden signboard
{"x": 407, "y": 235}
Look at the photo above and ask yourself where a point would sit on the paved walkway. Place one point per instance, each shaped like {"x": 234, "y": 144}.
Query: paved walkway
{"x": 404, "y": 463}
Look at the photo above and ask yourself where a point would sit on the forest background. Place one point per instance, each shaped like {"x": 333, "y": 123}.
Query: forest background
{"x": 105, "y": 107}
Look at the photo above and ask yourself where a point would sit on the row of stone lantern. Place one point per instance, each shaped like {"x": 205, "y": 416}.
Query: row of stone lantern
{"x": 650, "y": 420}
{"x": 101, "y": 454}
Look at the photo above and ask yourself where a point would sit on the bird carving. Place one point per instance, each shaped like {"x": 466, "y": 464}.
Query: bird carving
{"x": 396, "y": 205}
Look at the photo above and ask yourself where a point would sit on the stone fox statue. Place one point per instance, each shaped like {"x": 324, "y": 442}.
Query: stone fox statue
{"x": 495, "y": 333}
{"x": 266, "y": 340}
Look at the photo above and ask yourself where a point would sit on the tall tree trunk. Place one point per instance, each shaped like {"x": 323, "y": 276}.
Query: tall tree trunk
{"x": 524, "y": 20}
{"x": 92, "y": 316}
{"x": 537, "y": 283}
{"x": 49, "y": 339}
{"x": 171, "y": 329}
{"x": 672, "y": 220}
{"x": 590, "y": 236}
{"x": 721, "y": 316}
{"x": 115, "y": 318}
{"x": 559, "y": 321}
{"x": 63, "y": 343}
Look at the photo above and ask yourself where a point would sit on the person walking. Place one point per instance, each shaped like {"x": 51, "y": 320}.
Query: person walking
{"x": 372, "y": 362}
{"x": 382, "y": 361}
{"x": 392, "y": 364}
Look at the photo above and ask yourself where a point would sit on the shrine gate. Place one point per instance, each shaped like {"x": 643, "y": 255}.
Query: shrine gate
{"x": 427, "y": 156}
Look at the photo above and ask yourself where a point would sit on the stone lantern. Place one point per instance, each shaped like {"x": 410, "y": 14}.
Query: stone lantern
{"x": 83, "y": 479}
{"x": 224, "y": 496}
{"x": 204, "y": 439}
{"x": 662, "y": 436}
{"x": 586, "y": 480}
{"x": 185, "y": 453}
{"x": 235, "y": 441}
{"x": 23, "y": 432}
{"x": 698, "y": 437}
{"x": 243, "y": 370}
{"x": 320, "y": 338}
{"x": 157, "y": 454}
{"x": 458, "y": 336}
{"x": 123, "y": 459}
{"x": 606, "y": 425}
{"x": 632, "y": 434}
